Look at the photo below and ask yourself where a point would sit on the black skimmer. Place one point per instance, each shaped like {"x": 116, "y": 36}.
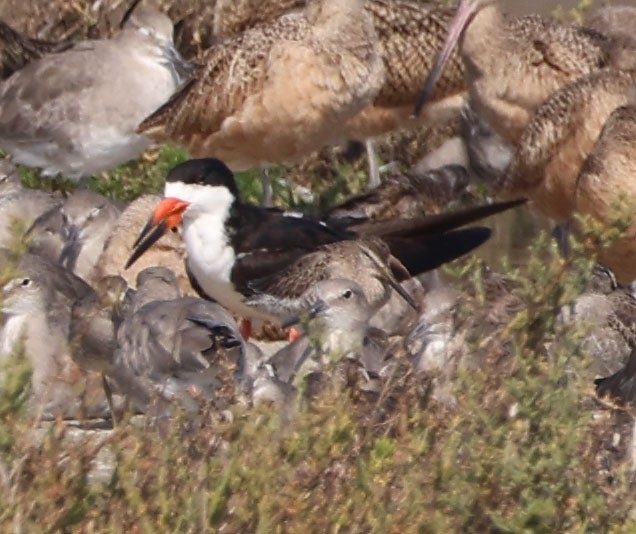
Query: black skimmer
{"x": 75, "y": 112}
{"x": 234, "y": 247}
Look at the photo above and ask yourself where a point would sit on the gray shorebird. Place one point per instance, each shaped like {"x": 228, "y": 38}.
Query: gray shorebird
{"x": 75, "y": 232}
{"x": 36, "y": 306}
{"x": 513, "y": 65}
{"x": 233, "y": 246}
{"x": 75, "y": 112}
{"x": 172, "y": 350}
{"x": 334, "y": 316}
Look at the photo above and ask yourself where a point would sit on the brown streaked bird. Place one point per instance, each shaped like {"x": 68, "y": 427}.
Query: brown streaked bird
{"x": 232, "y": 245}
{"x": 277, "y": 91}
{"x": 606, "y": 190}
{"x": 562, "y": 133}
{"x": 75, "y": 112}
{"x": 232, "y": 17}
{"x": 513, "y": 65}
{"x": 409, "y": 33}
{"x": 170, "y": 252}
{"x": 18, "y": 50}
{"x": 367, "y": 260}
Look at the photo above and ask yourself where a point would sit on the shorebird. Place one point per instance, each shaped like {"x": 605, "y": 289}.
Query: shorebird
{"x": 233, "y": 246}
{"x": 37, "y": 305}
{"x": 559, "y": 137}
{"x": 232, "y": 17}
{"x": 335, "y": 319}
{"x": 75, "y": 112}
{"x": 278, "y": 91}
{"x": 172, "y": 350}
{"x": 169, "y": 252}
{"x": 20, "y": 207}
{"x": 605, "y": 188}
{"x": 408, "y": 33}
{"x": 513, "y": 65}
{"x": 75, "y": 232}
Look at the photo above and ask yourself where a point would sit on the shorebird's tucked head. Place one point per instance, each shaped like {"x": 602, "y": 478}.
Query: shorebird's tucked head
{"x": 150, "y": 22}
{"x": 195, "y": 187}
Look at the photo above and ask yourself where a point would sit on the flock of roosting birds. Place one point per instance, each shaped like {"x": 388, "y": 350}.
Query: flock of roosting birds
{"x": 136, "y": 305}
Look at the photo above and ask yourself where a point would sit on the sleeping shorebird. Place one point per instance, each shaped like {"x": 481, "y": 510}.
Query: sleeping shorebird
{"x": 169, "y": 350}
{"x": 36, "y": 306}
{"x": 277, "y": 91}
{"x": 170, "y": 252}
{"x": 75, "y": 112}
{"x": 513, "y": 65}
{"x": 233, "y": 246}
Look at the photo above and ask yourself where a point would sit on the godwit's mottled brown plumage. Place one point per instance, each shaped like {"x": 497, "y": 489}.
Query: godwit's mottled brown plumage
{"x": 513, "y": 65}
{"x": 17, "y": 50}
{"x": 560, "y": 136}
{"x": 277, "y": 91}
{"x": 606, "y": 188}
{"x": 232, "y": 17}
{"x": 409, "y": 34}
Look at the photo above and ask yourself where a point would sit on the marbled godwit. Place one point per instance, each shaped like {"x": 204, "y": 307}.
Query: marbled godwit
{"x": 277, "y": 91}
{"x": 513, "y": 65}
{"x": 605, "y": 188}
{"x": 232, "y": 17}
{"x": 408, "y": 33}
{"x": 75, "y": 112}
{"x": 560, "y": 136}
{"x": 170, "y": 252}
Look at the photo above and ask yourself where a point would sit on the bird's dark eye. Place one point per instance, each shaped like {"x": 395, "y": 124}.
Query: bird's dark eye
{"x": 347, "y": 294}
{"x": 26, "y": 282}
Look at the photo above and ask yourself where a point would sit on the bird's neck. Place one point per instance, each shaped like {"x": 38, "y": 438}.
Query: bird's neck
{"x": 484, "y": 35}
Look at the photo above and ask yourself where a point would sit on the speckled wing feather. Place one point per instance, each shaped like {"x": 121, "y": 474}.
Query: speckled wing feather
{"x": 565, "y": 127}
{"x": 572, "y": 50}
{"x": 18, "y": 50}
{"x": 227, "y": 74}
{"x": 409, "y": 35}
{"x": 235, "y": 16}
